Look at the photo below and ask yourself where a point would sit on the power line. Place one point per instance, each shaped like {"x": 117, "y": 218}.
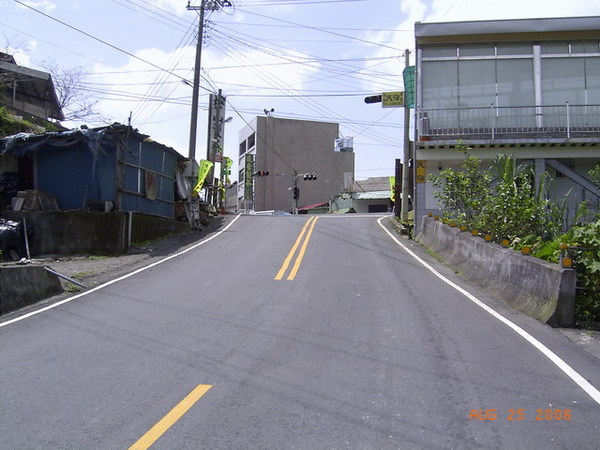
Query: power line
{"x": 99, "y": 40}
{"x": 322, "y": 30}
{"x": 297, "y": 2}
{"x": 272, "y": 25}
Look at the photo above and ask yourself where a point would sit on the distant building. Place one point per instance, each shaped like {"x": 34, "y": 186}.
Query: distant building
{"x": 528, "y": 88}
{"x": 28, "y": 92}
{"x": 372, "y": 195}
{"x": 289, "y": 149}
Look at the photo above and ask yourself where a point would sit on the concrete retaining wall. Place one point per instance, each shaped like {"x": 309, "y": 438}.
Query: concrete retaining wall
{"x": 72, "y": 233}
{"x": 25, "y": 285}
{"x": 540, "y": 289}
{"x": 95, "y": 233}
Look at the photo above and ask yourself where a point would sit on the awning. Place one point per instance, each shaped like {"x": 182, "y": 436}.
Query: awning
{"x": 313, "y": 206}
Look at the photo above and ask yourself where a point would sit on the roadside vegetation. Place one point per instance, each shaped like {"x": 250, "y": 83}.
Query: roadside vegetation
{"x": 10, "y": 125}
{"x": 503, "y": 202}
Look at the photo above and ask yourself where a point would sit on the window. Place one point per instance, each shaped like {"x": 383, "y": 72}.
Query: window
{"x": 560, "y": 48}
{"x": 563, "y": 81}
{"x": 251, "y": 141}
{"x": 458, "y": 84}
{"x": 585, "y": 47}
{"x": 476, "y": 50}
{"x": 439, "y": 51}
{"x": 514, "y": 78}
{"x": 440, "y": 84}
{"x": 514, "y": 49}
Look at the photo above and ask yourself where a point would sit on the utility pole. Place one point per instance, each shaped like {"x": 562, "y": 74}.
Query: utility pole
{"x": 196, "y": 86}
{"x": 205, "y": 5}
{"x": 214, "y": 146}
{"x": 406, "y": 155}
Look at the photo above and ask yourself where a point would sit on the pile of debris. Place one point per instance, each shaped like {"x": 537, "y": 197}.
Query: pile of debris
{"x": 14, "y": 240}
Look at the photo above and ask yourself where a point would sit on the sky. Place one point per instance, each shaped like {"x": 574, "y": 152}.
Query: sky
{"x": 305, "y": 59}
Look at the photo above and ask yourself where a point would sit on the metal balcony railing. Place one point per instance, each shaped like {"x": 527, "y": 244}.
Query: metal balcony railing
{"x": 495, "y": 123}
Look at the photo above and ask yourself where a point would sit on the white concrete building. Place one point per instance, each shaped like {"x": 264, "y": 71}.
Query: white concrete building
{"x": 289, "y": 149}
{"x": 528, "y": 88}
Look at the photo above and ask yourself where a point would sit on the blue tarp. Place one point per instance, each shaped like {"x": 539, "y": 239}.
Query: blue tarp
{"x": 22, "y": 143}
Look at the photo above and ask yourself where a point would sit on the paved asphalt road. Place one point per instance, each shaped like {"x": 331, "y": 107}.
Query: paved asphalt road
{"x": 352, "y": 345}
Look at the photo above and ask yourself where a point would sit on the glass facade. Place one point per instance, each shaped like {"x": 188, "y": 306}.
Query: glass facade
{"x": 506, "y": 84}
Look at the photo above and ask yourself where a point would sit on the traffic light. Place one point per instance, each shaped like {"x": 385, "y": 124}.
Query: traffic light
{"x": 296, "y": 193}
{"x": 262, "y": 173}
{"x": 310, "y": 176}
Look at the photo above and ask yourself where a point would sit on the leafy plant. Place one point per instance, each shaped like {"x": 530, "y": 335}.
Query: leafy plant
{"x": 595, "y": 175}
{"x": 9, "y": 125}
{"x": 504, "y": 202}
{"x": 514, "y": 207}
{"x": 583, "y": 243}
{"x": 462, "y": 193}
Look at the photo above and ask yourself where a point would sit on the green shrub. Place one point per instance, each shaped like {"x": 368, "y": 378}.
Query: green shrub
{"x": 504, "y": 202}
{"x": 583, "y": 243}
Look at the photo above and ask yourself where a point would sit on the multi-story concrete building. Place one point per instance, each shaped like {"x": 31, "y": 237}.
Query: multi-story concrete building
{"x": 289, "y": 149}
{"x": 528, "y": 88}
{"x": 28, "y": 92}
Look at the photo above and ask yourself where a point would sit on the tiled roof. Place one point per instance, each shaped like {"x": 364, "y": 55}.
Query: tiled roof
{"x": 372, "y": 184}
{"x": 371, "y": 195}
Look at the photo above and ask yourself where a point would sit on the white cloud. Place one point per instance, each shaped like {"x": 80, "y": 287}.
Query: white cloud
{"x": 402, "y": 38}
{"x": 45, "y": 5}
{"x": 168, "y": 122}
{"x": 459, "y": 10}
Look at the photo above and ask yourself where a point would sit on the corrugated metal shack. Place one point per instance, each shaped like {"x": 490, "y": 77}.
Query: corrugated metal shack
{"x": 89, "y": 169}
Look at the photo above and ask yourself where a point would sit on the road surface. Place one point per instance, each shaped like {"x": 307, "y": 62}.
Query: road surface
{"x": 293, "y": 332}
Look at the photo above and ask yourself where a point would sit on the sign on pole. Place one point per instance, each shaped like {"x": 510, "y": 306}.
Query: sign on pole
{"x": 421, "y": 171}
{"x": 248, "y": 179}
{"x": 216, "y": 119}
{"x": 409, "y": 86}
{"x": 392, "y": 99}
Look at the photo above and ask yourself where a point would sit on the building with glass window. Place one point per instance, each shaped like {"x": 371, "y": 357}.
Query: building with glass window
{"x": 304, "y": 159}
{"x": 528, "y": 88}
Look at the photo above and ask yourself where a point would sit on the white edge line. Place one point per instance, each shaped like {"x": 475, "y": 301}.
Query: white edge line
{"x": 102, "y": 286}
{"x": 562, "y": 365}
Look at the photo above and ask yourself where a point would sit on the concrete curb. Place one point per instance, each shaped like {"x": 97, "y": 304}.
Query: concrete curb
{"x": 540, "y": 289}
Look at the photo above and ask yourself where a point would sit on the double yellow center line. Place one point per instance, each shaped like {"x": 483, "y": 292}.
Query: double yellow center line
{"x": 303, "y": 239}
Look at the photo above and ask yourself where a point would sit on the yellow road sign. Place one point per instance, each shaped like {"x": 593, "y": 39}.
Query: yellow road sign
{"x": 392, "y": 99}
{"x": 421, "y": 172}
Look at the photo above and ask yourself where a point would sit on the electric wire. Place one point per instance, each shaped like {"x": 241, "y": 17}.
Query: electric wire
{"x": 323, "y": 30}
{"x": 313, "y": 106}
{"x": 159, "y": 88}
{"x": 126, "y": 52}
{"x": 228, "y": 41}
{"x": 318, "y": 107}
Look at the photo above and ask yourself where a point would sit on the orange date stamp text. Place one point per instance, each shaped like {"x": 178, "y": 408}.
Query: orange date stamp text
{"x": 520, "y": 414}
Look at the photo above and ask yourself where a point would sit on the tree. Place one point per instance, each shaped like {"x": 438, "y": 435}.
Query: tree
{"x": 70, "y": 90}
